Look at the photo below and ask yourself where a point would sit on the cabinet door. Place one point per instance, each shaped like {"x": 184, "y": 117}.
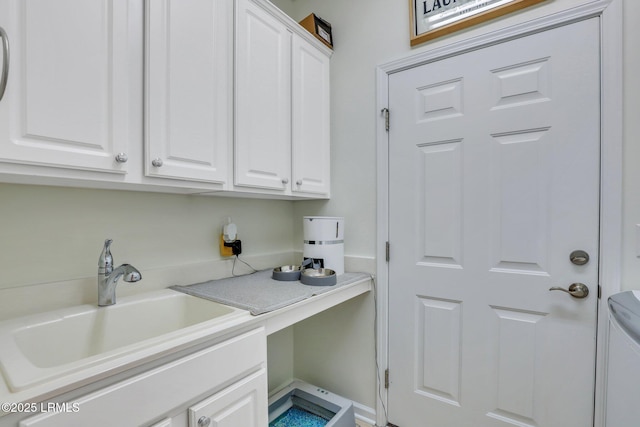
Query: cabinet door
{"x": 242, "y": 404}
{"x": 189, "y": 58}
{"x": 73, "y": 86}
{"x": 263, "y": 99}
{"x": 310, "y": 113}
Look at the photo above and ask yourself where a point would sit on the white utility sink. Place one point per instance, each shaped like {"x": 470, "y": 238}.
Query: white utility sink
{"x": 38, "y": 348}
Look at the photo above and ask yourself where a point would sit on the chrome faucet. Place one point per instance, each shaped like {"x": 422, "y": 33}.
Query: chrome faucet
{"x": 108, "y": 276}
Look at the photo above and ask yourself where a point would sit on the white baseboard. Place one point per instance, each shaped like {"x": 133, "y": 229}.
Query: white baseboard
{"x": 364, "y": 413}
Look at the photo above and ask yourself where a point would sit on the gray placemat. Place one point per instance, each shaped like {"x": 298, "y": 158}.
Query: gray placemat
{"x": 259, "y": 293}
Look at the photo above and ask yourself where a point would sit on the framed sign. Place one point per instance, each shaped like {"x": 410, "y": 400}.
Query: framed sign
{"x": 435, "y": 18}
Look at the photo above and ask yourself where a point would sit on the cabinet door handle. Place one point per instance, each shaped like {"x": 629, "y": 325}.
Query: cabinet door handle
{"x": 122, "y": 158}
{"x": 157, "y": 162}
{"x": 5, "y": 65}
{"x": 285, "y": 181}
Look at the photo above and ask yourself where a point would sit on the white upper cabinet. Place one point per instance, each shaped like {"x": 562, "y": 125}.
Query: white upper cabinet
{"x": 310, "y": 119}
{"x": 71, "y": 85}
{"x": 282, "y": 104}
{"x": 263, "y": 99}
{"x": 188, "y": 97}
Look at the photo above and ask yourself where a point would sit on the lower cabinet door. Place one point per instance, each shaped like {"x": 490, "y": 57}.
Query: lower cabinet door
{"x": 242, "y": 404}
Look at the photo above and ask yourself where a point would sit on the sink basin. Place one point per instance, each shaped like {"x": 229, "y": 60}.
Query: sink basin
{"x": 41, "y": 347}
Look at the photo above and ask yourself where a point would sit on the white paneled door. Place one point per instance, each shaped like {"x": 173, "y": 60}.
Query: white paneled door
{"x": 493, "y": 183}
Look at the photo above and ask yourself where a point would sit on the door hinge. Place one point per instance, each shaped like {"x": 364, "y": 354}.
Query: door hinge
{"x": 386, "y": 251}
{"x": 386, "y": 379}
{"x": 385, "y": 112}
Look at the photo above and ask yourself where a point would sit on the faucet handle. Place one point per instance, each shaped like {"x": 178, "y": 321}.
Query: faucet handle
{"x": 105, "y": 262}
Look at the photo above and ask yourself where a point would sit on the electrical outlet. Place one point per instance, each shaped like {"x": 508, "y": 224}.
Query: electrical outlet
{"x": 230, "y": 249}
{"x": 225, "y": 251}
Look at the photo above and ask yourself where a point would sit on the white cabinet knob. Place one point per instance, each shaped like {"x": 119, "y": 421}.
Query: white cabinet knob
{"x": 285, "y": 180}
{"x": 157, "y": 162}
{"x": 204, "y": 421}
{"x": 122, "y": 158}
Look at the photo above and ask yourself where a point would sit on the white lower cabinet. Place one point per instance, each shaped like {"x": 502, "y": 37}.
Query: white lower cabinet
{"x": 242, "y": 404}
{"x": 232, "y": 373}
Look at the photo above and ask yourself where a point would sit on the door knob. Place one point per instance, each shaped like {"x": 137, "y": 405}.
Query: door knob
{"x": 576, "y": 290}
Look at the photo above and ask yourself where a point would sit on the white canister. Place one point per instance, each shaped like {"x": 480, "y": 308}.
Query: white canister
{"x": 324, "y": 241}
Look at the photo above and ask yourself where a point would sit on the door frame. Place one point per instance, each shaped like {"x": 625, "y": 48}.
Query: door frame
{"x": 611, "y": 66}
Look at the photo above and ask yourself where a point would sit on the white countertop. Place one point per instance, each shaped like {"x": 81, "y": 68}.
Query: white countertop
{"x": 182, "y": 340}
